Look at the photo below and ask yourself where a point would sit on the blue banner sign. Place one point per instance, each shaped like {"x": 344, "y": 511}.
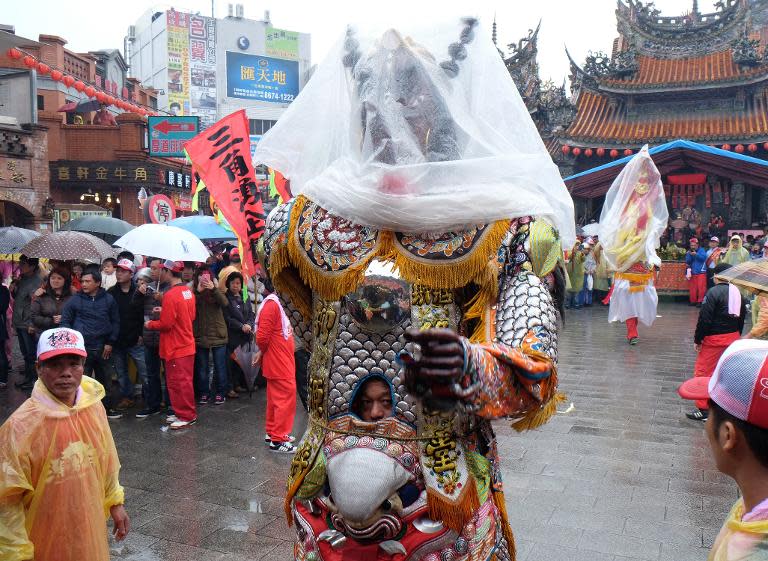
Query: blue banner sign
{"x": 262, "y": 78}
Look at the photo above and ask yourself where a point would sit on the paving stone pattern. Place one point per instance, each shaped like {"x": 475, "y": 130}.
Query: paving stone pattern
{"x": 623, "y": 476}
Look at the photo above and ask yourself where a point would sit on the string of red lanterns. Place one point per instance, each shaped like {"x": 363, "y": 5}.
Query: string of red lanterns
{"x": 614, "y": 153}
{"x": 71, "y": 82}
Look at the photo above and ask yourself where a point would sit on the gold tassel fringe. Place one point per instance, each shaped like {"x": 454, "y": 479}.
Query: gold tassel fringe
{"x": 506, "y": 529}
{"x": 538, "y": 417}
{"x": 329, "y": 285}
{"x": 455, "y": 272}
{"x": 454, "y": 515}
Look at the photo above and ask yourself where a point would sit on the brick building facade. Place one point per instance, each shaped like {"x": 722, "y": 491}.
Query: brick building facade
{"x": 24, "y": 177}
{"x": 52, "y": 162}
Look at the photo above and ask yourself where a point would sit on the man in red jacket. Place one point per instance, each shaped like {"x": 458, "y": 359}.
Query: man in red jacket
{"x": 275, "y": 339}
{"x": 177, "y": 344}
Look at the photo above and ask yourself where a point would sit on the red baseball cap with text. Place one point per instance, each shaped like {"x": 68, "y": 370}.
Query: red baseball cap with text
{"x": 60, "y": 341}
{"x": 739, "y": 383}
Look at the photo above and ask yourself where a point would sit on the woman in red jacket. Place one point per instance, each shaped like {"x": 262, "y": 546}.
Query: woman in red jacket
{"x": 274, "y": 336}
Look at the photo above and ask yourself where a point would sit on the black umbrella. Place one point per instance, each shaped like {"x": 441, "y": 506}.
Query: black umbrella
{"x": 88, "y": 105}
{"x": 105, "y": 227}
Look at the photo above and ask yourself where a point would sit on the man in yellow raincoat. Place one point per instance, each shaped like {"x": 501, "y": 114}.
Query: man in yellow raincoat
{"x": 737, "y": 429}
{"x": 58, "y": 463}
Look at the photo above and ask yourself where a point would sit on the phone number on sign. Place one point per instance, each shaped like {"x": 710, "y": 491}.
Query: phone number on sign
{"x": 265, "y": 95}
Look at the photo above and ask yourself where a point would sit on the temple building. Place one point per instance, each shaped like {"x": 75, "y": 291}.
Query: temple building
{"x": 700, "y": 77}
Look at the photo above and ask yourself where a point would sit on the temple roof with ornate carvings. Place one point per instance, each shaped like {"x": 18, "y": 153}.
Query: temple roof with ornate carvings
{"x": 698, "y": 76}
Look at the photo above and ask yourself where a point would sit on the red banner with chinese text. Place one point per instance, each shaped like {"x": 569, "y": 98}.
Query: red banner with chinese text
{"x": 222, "y": 156}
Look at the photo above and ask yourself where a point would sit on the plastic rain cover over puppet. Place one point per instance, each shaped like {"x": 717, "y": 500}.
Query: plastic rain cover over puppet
{"x": 419, "y": 132}
{"x": 634, "y": 214}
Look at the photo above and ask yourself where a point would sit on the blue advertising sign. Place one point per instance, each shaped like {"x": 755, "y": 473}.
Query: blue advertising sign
{"x": 262, "y": 78}
{"x": 167, "y": 135}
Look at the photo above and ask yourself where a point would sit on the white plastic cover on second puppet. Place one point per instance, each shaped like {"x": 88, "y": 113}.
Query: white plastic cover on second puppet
{"x": 495, "y": 165}
{"x": 625, "y": 205}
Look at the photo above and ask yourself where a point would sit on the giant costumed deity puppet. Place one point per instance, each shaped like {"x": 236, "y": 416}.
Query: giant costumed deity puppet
{"x": 418, "y": 261}
{"x": 633, "y": 218}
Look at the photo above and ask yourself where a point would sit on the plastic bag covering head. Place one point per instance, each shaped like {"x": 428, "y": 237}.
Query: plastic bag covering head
{"x": 417, "y": 132}
{"x": 634, "y": 214}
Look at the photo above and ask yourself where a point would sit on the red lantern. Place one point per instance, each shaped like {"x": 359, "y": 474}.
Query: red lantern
{"x": 90, "y": 91}
{"x": 576, "y": 151}
{"x": 14, "y": 53}
{"x": 30, "y": 61}
{"x": 101, "y": 97}
{"x": 68, "y": 81}
{"x": 628, "y": 152}
{"x": 111, "y": 100}
{"x": 588, "y": 152}
{"x": 614, "y": 153}
{"x": 600, "y": 152}
{"x": 56, "y": 75}
{"x": 79, "y": 86}
{"x": 765, "y": 145}
{"x": 752, "y": 147}
{"x": 739, "y": 148}
{"x": 566, "y": 149}
{"x": 43, "y": 68}
{"x": 726, "y": 147}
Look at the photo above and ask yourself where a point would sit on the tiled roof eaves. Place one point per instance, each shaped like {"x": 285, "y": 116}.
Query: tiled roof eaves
{"x": 618, "y": 86}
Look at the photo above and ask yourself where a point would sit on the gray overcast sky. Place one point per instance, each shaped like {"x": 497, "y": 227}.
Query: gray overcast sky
{"x": 581, "y": 25}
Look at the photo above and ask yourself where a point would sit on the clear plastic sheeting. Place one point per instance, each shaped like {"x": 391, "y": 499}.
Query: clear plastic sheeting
{"x": 634, "y": 215}
{"x": 417, "y": 131}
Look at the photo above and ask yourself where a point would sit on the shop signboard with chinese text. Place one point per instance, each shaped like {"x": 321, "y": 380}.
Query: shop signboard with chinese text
{"x": 182, "y": 201}
{"x": 281, "y": 43}
{"x": 115, "y": 174}
{"x": 63, "y": 215}
{"x": 178, "y": 62}
{"x": 167, "y": 135}
{"x": 202, "y": 66}
{"x": 262, "y": 78}
{"x": 159, "y": 209}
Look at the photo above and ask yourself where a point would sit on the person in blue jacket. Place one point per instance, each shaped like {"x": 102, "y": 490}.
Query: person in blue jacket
{"x": 696, "y": 273}
{"x": 94, "y": 313}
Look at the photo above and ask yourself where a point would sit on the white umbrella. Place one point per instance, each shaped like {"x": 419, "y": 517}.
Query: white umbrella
{"x": 165, "y": 242}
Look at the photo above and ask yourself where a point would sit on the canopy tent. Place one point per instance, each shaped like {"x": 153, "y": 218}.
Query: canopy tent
{"x": 671, "y": 157}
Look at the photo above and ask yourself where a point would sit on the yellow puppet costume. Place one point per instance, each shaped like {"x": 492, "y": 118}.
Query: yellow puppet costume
{"x": 58, "y": 478}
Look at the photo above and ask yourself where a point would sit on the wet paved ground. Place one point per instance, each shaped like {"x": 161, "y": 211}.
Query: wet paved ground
{"x": 624, "y": 476}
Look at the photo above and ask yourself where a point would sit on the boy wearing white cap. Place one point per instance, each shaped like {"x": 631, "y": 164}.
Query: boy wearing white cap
{"x": 59, "y": 464}
{"x": 737, "y": 429}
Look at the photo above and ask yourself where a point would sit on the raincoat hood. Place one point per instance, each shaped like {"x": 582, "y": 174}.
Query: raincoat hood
{"x": 740, "y": 540}
{"x": 89, "y": 393}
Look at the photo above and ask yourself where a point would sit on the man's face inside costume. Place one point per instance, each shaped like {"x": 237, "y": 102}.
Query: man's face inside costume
{"x": 373, "y": 401}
